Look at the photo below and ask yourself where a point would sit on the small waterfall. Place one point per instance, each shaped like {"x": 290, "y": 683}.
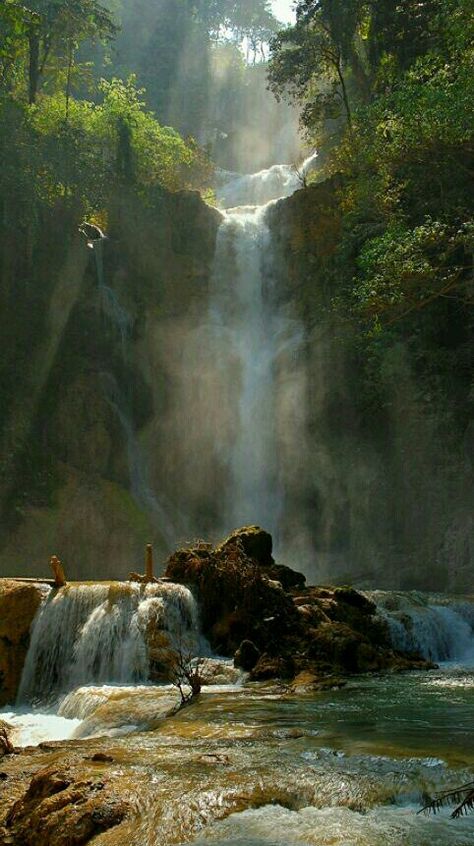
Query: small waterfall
{"x": 140, "y": 488}
{"x": 258, "y": 189}
{"x": 111, "y": 307}
{"x": 438, "y": 628}
{"x": 97, "y": 633}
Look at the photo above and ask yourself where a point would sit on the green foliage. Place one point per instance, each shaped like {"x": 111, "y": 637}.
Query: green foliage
{"x": 404, "y": 269}
{"x": 73, "y": 151}
{"x": 404, "y": 163}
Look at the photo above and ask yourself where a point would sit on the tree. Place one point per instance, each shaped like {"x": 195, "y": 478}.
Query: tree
{"x": 177, "y": 656}
{"x": 15, "y": 23}
{"x": 60, "y": 26}
{"x": 307, "y": 64}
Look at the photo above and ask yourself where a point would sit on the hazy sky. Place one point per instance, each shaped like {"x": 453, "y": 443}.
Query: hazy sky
{"x": 283, "y": 10}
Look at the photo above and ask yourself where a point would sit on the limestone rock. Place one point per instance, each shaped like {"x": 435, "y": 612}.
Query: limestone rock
{"x": 256, "y": 543}
{"x": 6, "y": 746}
{"x": 59, "y": 810}
{"x": 273, "y": 667}
{"x": 253, "y": 609}
{"x": 18, "y": 605}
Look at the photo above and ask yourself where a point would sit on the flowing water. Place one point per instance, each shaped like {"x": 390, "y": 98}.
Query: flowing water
{"x": 252, "y": 764}
{"x": 249, "y": 764}
{"x": 252, "y": 354}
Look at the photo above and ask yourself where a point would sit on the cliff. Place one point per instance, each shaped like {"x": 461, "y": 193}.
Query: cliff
{"x": 84, "y": 381}
{"x": 385, "y": 482}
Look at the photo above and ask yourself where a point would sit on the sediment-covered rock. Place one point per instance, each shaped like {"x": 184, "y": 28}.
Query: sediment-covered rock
{"x": 59, "y": 809}
{"x": 275, "y": 627}
{"x": 18, "y": 605}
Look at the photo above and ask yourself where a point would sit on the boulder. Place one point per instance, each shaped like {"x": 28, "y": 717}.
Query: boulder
{"x": 262, "y": 614}
{"x": 58, "y": 809}
{"x": 246, "y": 656}
{"x": 19, "y": 602}
{"x": 6, "y": 746}
{"x": 256, "y": 543}
{"x": 238, "y": 601}
{"x": 273, "y": 667}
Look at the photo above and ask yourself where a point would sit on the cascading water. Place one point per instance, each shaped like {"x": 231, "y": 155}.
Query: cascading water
{"x": 435, "y": 627}
{"x": 254, "y": 346}
{"x": 97, "y": 633}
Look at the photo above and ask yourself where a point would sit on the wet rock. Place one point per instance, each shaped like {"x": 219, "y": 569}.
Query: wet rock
{"x": 6, "y": 746}
{"x": 18, "y": 605}
{"x": 59, "y": 809}
{"x": 256, "y": 543}
{"x": 273, "y": 667}
{"x": 274, "y": 626}
{"x": 215, "y": 671}
{"x": 246, "y": 656}
{"x": 238, "y": 601}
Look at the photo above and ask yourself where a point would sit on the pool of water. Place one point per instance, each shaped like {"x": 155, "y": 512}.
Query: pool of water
{"x": 252, "y": 765}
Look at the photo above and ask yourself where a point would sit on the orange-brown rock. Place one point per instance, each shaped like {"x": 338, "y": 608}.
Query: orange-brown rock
{"x": 59, "y": 809}
{"x": 18, "y": 605}
{"x": 245, "y": 597}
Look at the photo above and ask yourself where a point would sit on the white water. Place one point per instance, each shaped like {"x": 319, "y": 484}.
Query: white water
{"x": 439, "y": 629}
{"x": 255, "y": 346}
{"x": 258, "y": 189}
{"x": 97, "y": 633}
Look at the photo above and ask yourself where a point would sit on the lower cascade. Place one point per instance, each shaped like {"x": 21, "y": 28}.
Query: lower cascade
{"x": 97, "y": 633}
{"x": 439, "y": 628}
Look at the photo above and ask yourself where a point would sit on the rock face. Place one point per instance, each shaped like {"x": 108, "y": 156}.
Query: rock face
{"x": 61, "y": 810}
{"x": 92, "y": 369}
{"x": 276, "y": 627}
{"x": 18, "y": 605}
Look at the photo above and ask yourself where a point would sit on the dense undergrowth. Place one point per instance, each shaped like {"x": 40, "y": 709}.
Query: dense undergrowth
{"x": 387, "y": 92}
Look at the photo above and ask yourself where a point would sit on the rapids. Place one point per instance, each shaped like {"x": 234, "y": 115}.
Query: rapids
{"x": 252, "y": 764}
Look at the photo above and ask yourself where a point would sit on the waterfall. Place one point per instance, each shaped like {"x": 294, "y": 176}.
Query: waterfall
{"x": 110, "y": 304}
{"x": 253, "y": 346}
{"x": 258, "y": 189}
{"x": 436, "y": 627}
{"x": 97, "y": 633}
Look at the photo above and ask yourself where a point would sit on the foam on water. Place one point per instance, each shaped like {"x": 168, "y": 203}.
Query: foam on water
{"x": 259, "y": 188}
{"x": 98, "y": 633}
{"x": 273, "y": 825}
{"x": 30, "y": 729}
{"x": 437, "y": 628}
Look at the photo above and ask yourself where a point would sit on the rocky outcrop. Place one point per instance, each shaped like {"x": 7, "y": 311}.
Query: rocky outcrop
{"x": 6, "y": 746}
{"x": 59, "y": 809}
{"x": 18, "y": 605}
{"x": 277, "y": 628}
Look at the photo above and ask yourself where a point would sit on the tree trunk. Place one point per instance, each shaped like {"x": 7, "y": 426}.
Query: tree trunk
{"x": 345, "y": 97}
{"x": 33, "y": 66}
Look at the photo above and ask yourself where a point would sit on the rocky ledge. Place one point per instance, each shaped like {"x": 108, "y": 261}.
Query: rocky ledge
{"x": 275, "y": 626}
{"x": 19, "y": 602}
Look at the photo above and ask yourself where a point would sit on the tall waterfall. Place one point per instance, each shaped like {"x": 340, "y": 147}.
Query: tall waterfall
{"x": 253, "y": 344}
{"x": 97, "y": 633}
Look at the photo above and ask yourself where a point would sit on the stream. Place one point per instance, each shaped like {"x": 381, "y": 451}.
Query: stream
{"x": 254, "y": 764}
